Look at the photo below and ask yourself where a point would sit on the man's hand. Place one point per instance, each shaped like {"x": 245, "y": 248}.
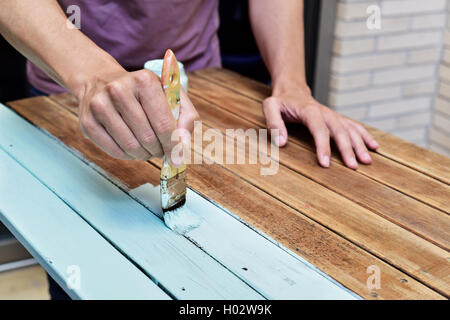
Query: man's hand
{"x": 278, "y": 28}
{"x": 128, "y": 116}
{"x": 124, "y": 113}
{"x": 299, "y": 106}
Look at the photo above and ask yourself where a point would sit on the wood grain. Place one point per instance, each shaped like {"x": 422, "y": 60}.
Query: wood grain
{"x": 405, "y": 180}
{"x": 408, "y": 154}
{"x": 408, "y": 252}
{"x": 320, "y": 252}
{"x": 427, "y": 222}
{"x": 236, "y": 82}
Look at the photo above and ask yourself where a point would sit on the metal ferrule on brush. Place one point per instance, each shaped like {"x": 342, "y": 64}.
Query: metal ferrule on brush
{"x": 173, "y": 186}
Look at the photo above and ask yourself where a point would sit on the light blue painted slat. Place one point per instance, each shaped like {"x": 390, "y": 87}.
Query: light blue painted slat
{"x": 269, "y": 269}
{"x": 172, "y": 260}
{"x": 59, "y": 239}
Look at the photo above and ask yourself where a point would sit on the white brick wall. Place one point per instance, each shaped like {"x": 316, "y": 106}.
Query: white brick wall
{"x": 439, "y": 133}
{"x": 389, "y": 78}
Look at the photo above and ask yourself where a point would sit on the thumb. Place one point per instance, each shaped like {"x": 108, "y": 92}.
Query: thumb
{"x": 272, "y": 112}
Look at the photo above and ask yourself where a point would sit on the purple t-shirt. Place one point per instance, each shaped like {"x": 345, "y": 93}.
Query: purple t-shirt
{"x": 134, "y": 31}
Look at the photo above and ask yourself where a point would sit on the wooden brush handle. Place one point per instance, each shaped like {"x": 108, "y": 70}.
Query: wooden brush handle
{"x": 170, "y": 79}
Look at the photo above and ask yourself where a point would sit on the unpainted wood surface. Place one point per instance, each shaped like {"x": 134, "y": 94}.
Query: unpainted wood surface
{"x": 408, "y": 154}
{"x": 417, "y": 185}
{"x": 372, "y": 232}
{"x": 427, "y": 222}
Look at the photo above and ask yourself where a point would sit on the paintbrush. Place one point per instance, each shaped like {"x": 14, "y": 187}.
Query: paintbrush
{"x": 173, "y": 180}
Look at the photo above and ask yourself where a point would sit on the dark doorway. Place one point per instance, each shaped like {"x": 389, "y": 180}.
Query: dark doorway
{"x": 238, "y": 46}
{"x": 13, "y": 83}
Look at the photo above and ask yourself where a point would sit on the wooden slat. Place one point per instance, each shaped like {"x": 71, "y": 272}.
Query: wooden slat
{"x": 418, "y": 185}
{"x": 423, "y": 160}
{"x": 58, "y": 238}
{"x": 406, "y": 153}
{"x": 268, "y": 269}
{"x": 262, "y": 264}
{"x": 256, "y": 205}
{"x": 236, "y": 82}
{"x": 173, "y": 261}
{"x": 329, "y": 252}
{"x": 415, "y": 216}
{"x": 401, "y": 248}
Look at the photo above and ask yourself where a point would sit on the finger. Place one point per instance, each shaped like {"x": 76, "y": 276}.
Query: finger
{"x": 340, "y": 135}
{"x": 359, "y": 146}
{"x": 367, "y": 137}
{"x": 134, "y": 116}
{"x": 318, "y": 128}
{"x": 274, "y": 120}
{"x": 95, "y": 132}
{"x": 153, "y": 100}
{"x": 105, "y": 113}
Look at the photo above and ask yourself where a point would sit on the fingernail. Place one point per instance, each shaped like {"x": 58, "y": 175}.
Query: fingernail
{"x": 326, "y": 161}
{"x": 366, "y": 157}
{"x": 353, "y": 163}
{"x": 281, "y": 140}
{"x": 374, "y": 144}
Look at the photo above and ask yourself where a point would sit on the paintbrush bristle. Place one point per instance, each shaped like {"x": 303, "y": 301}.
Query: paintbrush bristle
{"x": 177, "y": 205}
{"x": 181, "y": 220}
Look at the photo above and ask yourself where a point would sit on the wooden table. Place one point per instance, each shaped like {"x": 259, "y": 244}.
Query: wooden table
{"x": 390, "y": 218}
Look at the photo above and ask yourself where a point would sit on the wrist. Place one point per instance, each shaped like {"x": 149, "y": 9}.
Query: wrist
{"x": 285, "y": 85}
{"x": 103, "y": 68}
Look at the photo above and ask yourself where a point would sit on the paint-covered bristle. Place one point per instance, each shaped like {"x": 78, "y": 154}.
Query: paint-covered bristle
{"x": 177, "y": 205}
{"x": 181, "y": 219}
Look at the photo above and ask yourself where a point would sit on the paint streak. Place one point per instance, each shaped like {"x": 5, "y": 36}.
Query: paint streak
{"x": 181, "y": 220}
{"x": 262, "y": 263}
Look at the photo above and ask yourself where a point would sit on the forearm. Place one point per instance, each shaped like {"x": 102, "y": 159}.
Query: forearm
{"x": 38, "y": 29}
{"x": 278, "y": 29}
